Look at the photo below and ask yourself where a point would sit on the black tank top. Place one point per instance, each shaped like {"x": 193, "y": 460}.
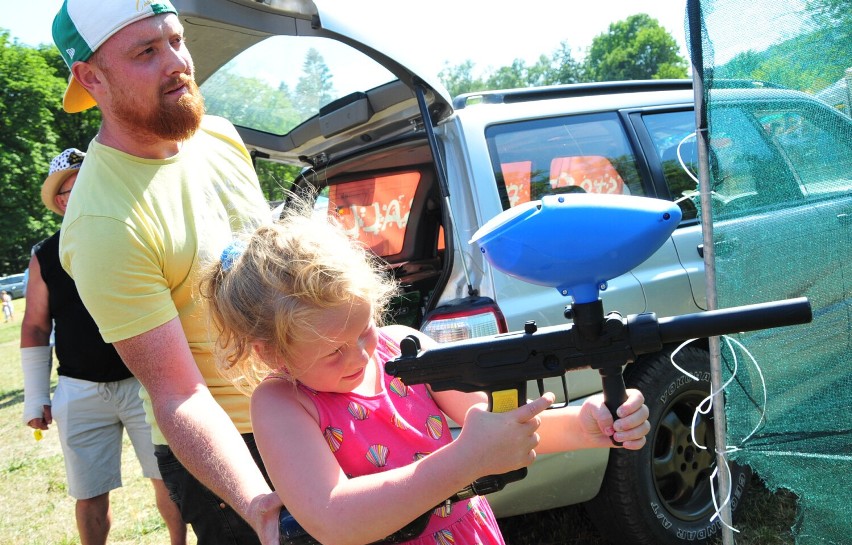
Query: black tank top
{"x": 80, "y": 349}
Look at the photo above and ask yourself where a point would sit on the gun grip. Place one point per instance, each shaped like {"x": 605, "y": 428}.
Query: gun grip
{"x": 614, "y": 391}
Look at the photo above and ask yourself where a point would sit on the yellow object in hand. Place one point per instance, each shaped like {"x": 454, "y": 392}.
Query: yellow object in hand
{"x": 37, "y": 435}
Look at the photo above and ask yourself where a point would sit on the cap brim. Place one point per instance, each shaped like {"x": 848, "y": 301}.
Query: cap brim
{"x": 77, "y": 98}
{"x": 51, "y": 186}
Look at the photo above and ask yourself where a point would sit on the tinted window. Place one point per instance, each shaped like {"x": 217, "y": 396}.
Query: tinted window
{"x": 816, "y": 143}
{"x": 673, "y": 136}
{"x": 584, "y": 153}
{"x": 375, "y": 210}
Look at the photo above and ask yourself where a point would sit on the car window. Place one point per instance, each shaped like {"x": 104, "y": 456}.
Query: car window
{"x": 816, "y": 143}
{"x": 374, "y": 210}
{"x": 748, "y": 170}
{"x": 14, "y": 279}
{"x": 673, "y": 137}
{"x": 583, "y": 153}
{"x": 274, "y": 97}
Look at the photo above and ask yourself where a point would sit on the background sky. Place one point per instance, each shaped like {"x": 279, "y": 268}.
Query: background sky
{"x": 489, "y": 33}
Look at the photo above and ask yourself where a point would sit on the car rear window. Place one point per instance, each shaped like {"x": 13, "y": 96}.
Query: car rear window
{"x": 582, "y": 153}
{"x": 375, "y": 210}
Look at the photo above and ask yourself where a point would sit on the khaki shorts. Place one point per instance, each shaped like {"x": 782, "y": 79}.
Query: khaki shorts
{"x": 91, "y": 418}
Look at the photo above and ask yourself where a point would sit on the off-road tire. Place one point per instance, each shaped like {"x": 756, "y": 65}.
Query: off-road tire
{"x": 660, "y": 495}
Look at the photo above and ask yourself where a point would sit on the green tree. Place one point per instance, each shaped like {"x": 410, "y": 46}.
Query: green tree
{"x": 561, "y": 68}
{"x": 636, "y": 48}
{"x": 836, "y": 11}
{"x": 250, "y": 102}
{"x": 509, "y": 77}
{"x": 33, "y": 129}
{"x": 743, "y": 66}
{"x": 315, "y": 88}
{"x": 459, "y": 79}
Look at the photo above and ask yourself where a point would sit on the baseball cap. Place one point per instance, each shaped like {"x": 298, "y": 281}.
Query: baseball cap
{"x": 81, "y": 26}
{"x": 62, "y": 166}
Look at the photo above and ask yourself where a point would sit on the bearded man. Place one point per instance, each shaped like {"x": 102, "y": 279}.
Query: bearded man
{"x": 163, "y": 189}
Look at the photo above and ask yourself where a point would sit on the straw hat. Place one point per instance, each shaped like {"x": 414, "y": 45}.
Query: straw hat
{"x": 62, "y": 166}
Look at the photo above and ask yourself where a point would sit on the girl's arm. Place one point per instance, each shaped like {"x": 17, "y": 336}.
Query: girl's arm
{"x": 590, "y": 425}
{"x": 453, "y": 403}
{"x": 336, "y": 509}
{"x": 570, "y": 428}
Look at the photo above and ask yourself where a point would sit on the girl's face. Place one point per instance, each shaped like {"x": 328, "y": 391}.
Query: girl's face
{"x": 336, "y": 361}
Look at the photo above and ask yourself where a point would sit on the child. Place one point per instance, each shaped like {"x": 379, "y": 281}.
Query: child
{"x": 353, "y": 453}
{"x": 8, "y": 309}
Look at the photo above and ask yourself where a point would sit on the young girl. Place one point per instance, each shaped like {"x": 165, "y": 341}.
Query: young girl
{"x": 354, "y": 454}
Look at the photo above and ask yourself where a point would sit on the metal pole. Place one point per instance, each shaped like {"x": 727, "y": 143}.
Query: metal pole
{"x": 696, "y": 32}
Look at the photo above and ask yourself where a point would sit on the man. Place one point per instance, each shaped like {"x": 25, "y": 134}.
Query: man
{"x": 97, "y": 397}
{"x": 163, "y": 189}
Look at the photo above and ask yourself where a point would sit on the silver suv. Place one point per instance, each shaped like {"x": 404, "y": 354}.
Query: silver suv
{"x": 416, "y": 174}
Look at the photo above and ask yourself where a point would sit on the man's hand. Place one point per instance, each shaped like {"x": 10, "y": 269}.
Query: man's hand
{"x": 44, "y": 422}
{"x": 264, "y": 512}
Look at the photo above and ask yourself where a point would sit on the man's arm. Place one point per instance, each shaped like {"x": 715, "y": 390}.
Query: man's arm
{"x": 199, "y": 431}
{"x": 36, "y": 354}
{"x": 36, "y": 325}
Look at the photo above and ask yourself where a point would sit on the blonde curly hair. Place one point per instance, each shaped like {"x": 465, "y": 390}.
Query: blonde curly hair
{"x": 274, "y": 289}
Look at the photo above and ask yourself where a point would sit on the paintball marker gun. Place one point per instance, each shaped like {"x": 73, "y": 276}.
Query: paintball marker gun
{"x": 574, "y": 242}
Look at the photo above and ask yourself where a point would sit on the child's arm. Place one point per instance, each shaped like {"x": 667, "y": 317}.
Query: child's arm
{"x": 453, "y": 403}
{"x": 336, "y": 509}
{"x": 590, "y": 425}
{"x": 564, "y": 429}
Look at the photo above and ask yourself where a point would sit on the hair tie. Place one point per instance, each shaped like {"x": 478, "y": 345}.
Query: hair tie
{"x": 232, "y": 253}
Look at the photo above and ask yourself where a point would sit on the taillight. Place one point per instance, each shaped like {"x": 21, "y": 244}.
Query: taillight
{"x": 464, "y": 319}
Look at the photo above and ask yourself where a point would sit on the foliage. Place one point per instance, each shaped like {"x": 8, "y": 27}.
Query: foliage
{"x": 275, "y": 178}
{"x": 459, "y": 79}
{"x": 809, "y": 62}
{"x": 33, "y": 129}
{"x": 636, "y": 48}
{"x": 315, "y": 87}
{"x": 563, "y": 68}
{"x": 250, "y": 101}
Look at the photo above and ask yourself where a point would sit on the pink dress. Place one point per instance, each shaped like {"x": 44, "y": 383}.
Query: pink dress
{"x": 399, "y": 425}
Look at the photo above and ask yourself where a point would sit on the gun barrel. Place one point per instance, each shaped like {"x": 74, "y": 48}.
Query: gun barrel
{"x": 711, "y": 323}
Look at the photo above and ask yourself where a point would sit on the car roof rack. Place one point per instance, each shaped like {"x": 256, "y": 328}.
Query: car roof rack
{"x": 526, "y": 94}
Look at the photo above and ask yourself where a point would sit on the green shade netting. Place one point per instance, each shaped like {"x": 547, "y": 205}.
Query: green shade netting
{"x": 780, "y": 169}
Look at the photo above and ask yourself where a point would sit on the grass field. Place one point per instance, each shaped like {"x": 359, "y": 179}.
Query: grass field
{"x": 35, "y": 508}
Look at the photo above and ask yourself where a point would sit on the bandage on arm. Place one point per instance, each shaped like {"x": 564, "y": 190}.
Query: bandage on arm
{"x": 36, "y": 362}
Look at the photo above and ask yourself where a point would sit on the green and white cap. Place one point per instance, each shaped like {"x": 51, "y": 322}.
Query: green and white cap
{"x": 82, "y": 26}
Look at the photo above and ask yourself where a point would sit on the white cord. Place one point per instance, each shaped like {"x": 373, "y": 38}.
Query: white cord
{"x": 706, "y": 405}
{"x": 681, "y": 161}
{"x": 694, "y": 192}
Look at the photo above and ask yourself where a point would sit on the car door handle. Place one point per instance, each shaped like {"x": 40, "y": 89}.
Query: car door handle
{"x": 845, "y": 219}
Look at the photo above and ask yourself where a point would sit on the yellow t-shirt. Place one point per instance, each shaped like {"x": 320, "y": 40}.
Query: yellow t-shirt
{"x": 137, "y": 230}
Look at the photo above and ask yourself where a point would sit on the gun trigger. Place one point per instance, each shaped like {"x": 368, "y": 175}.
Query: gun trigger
{"x": 504, "y": 400}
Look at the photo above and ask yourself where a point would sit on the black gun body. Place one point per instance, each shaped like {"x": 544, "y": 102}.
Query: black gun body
{"x": 506, "y": 361}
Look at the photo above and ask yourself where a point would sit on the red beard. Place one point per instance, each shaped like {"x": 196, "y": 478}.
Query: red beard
{"x": 173, "y": 121}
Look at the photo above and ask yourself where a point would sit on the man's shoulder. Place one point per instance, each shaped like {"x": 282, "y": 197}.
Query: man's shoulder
{"x": 50, "y": 243}
{"x": 222, "y": 129}
{"x": 215, "y": 125}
